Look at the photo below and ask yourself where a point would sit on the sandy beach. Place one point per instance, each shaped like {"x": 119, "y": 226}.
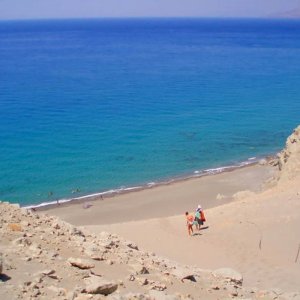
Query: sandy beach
{"x": 249, "y": 230}
{"x": 258, "y": 236}
{"x": 251, "y": 226}
{"x": 165, "y": 200}
{"x": 136, "y": 245}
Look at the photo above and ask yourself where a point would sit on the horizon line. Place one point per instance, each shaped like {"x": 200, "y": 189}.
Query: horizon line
{"x": 152, "y": 17}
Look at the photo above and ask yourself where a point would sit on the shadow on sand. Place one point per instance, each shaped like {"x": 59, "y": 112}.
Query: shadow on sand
{"x": 196, "y": 233}
{"x": 203, "y": 228}
{"x": 4, "y": 278}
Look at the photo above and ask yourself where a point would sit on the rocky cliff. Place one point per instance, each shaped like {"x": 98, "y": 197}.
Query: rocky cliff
{"x": 288, "y": 160}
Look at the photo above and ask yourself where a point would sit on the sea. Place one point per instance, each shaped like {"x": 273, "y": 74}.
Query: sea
{"x": 95, "y": 106}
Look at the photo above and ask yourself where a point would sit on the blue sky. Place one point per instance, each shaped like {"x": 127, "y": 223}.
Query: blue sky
{"x": 32, "y": 9}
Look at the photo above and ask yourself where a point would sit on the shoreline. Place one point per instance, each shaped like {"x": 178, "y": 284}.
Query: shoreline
{"x": 164, "y": 200}
{"x": 111, "y": 193}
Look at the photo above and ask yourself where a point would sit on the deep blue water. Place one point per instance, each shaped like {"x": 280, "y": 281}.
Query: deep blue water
{"x": 95, "y": 105}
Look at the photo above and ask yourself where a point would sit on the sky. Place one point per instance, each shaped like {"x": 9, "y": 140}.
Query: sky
{"x": 45, "y": 9}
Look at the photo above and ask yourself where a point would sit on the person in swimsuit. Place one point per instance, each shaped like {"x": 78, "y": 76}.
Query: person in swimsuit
{"x": 189, "y": 223}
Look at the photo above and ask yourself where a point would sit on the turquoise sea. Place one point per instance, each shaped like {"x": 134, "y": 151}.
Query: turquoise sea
{"x": 88, "y": 106}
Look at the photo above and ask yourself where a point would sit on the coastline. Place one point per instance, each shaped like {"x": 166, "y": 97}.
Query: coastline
{"x": 107, "y": 194}
{"x": 163, "y": 200}
{"x": 248, "y": 211}
{"x": 243, "y": 235}
{"x": 138, "y": 243}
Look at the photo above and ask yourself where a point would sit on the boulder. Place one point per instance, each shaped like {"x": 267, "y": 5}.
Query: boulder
{"x": 80, "y": 263}
{"x": 229, "y": 274}
{"x": 98, "y": 285}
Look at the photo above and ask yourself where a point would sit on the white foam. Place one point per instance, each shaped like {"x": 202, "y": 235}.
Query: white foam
{"x": 196, "y": 173}
{"x": 252, "y": 158}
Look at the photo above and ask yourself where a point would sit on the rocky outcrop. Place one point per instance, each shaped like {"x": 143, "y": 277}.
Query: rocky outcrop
{"x": 288, "y": 160}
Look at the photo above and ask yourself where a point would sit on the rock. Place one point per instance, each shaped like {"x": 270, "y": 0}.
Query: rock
{"x": 132, "y": 246}
{"x": 189, "y": 277}
{"x": 143, "y": 281}
{"x": 138, "y": 269}
{"x": 95, "y": 274}
{"x": 108, "y": 244}
{"x": 98, "y": 285}
{"x": 215, "y": 287}
{"x": 158, "y": 286}
{"x": 76, "y": 231}
{"x": 230, "y": 274}
{"x": 48, "y": 272}
{"x": 80, "y": 263}
{"x": 109, "y": 262}
{"x": 182, "y": 274}
{"x": 131, "y": 277}
{"x": 56, "y": 226}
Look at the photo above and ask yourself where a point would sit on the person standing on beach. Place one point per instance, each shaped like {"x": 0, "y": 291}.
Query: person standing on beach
{"x": 202, "y": 216}
{"x": 189, "y": 223}
{"x": 198, "y": 220}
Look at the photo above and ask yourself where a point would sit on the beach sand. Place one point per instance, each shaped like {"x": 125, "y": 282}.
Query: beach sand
{"x": 259, "y": 236}
{"x": 164, "y": 200}
{"x": 253, "y": 220}
{"x": 255, "y": 232}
